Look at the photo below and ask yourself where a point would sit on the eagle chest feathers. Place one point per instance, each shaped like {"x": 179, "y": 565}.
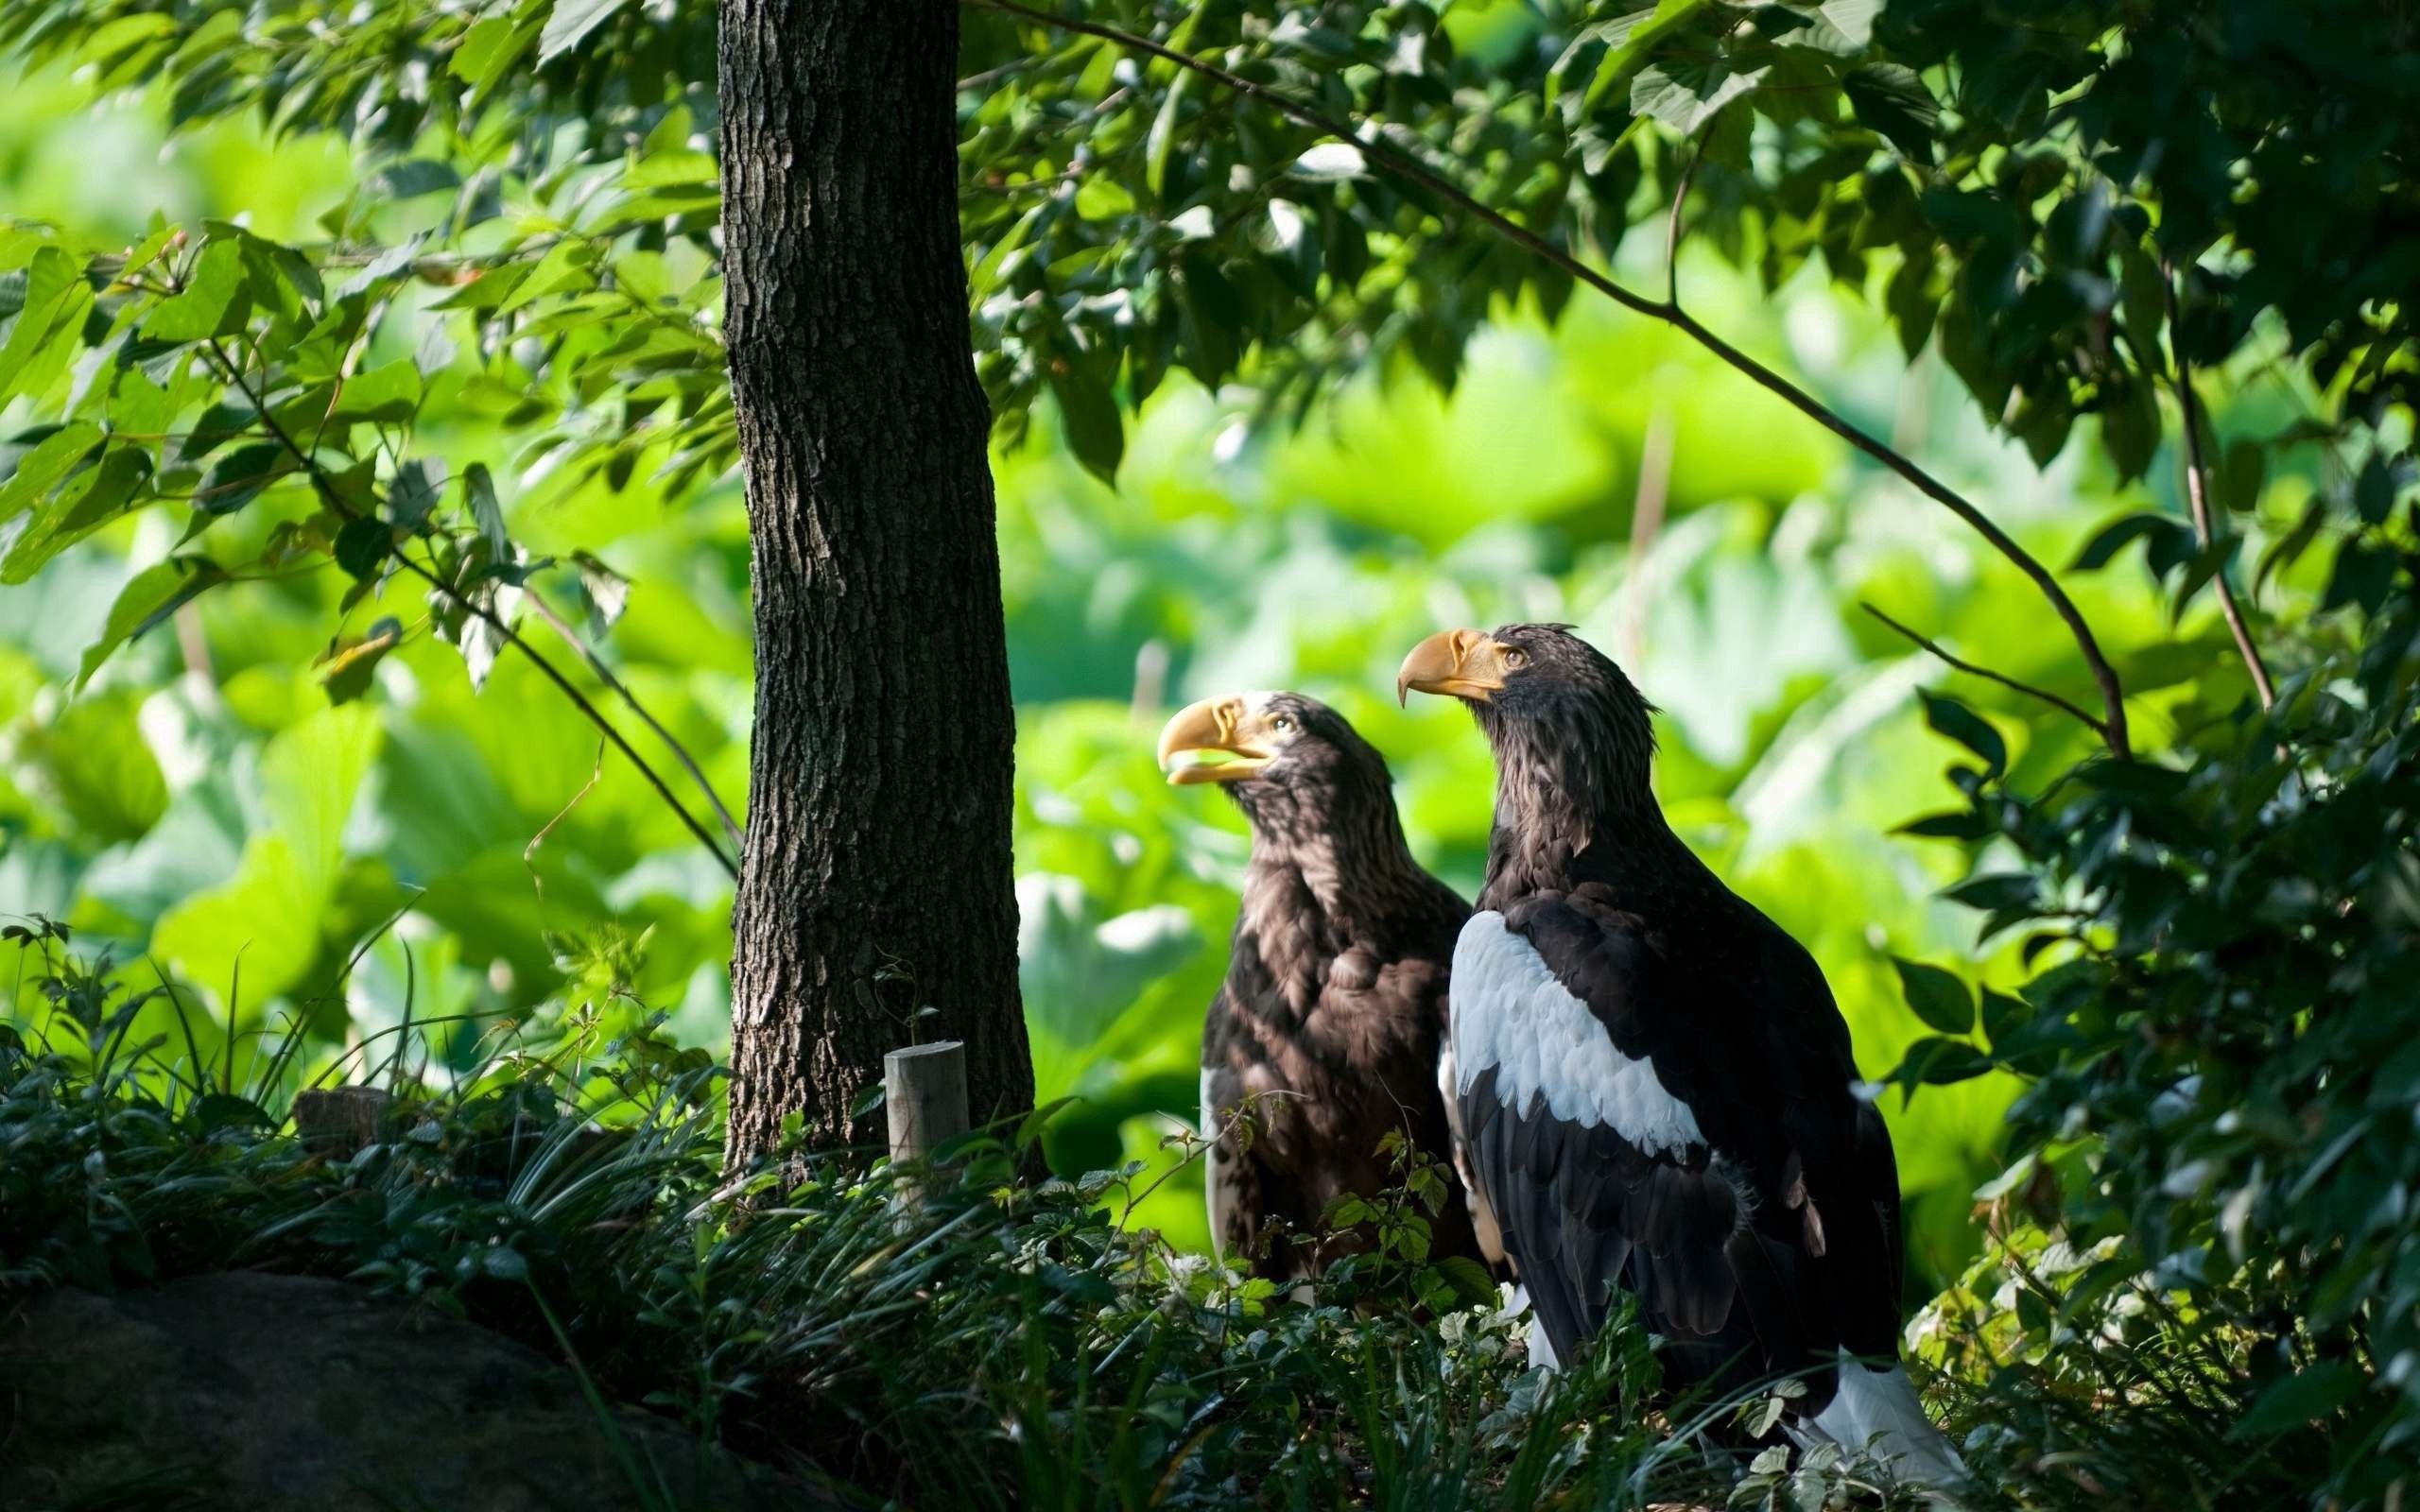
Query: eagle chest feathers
{"x": 1332, "y": 1036}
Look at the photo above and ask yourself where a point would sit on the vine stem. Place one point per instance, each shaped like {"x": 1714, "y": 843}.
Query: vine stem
{"x": 1375, "y": 148}
{"x": 596, "y": 663}
{"x": 329, "y": 496}
{"x": 2197, "y": 492}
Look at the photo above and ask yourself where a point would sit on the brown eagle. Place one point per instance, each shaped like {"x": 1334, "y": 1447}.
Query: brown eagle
{"x": 1656, "y": 1083}
{"x": 1332, "y": 1012}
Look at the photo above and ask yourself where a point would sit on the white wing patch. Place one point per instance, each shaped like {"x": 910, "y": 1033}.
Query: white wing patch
{"x": 1510, "y": 1012}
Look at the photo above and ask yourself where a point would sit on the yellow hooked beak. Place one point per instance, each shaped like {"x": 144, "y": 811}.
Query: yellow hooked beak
{"x": 1458, "y": 663}
{"x": 1224, "y": 726}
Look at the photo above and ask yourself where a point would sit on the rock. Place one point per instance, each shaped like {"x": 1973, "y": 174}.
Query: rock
{"x": 272, "y": 1392}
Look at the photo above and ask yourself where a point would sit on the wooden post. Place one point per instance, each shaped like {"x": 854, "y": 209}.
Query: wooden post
{"x": 340, "y": 1121}
{"x": 925, "y": 1089}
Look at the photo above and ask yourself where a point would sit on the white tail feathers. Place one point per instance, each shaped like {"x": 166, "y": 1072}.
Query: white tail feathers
{"x": 1878, "y": 1411}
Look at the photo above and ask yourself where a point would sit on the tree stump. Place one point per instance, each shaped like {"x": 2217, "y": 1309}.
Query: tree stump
{"x": 340, "y": 1121}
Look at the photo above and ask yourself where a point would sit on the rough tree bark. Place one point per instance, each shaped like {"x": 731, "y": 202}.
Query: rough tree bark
{"x": 877, "y": 874}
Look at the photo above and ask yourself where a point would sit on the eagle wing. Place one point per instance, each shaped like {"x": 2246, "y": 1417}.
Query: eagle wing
{"x": 1595, "y": 1140}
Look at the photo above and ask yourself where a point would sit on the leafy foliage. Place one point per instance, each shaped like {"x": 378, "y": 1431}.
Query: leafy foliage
{"x": 469, "y": 391}
{"x": 571, "y": 1193}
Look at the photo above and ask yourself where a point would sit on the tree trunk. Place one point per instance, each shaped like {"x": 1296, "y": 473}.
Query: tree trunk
{"x": 876, "y": 876}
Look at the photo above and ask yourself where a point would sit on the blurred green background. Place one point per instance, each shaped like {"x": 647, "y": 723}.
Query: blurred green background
{"x": 200, "y": 804}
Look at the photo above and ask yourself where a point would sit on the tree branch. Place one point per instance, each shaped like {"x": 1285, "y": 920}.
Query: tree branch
{"x": 329, "y": 496}
{"x": 1376, "y": 149}
{"x": 2197, "y": 492}
{"x": 2000, "y": 677}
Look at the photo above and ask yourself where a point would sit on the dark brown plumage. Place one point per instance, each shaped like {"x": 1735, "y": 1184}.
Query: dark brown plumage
{"x": 1332, "y": 1010}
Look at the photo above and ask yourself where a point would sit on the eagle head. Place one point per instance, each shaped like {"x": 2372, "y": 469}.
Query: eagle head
{"x": 1559, "y": 712}
{"x": 1285, "y": 759}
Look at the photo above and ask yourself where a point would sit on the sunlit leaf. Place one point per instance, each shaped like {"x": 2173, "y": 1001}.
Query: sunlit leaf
{"x": 150, "y": 597}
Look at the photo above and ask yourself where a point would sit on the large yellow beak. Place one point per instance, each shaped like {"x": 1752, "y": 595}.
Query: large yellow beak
{"x": 1224, "y": 726}
{"x": 1458, "y": 663}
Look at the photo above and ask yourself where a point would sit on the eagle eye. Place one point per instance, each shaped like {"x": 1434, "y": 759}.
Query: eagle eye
{"x": 1515, "y": 659}
{"x": 1282, "y": 725}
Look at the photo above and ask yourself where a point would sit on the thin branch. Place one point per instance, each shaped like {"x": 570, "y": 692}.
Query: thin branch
{"x": 1375, "y": 148}
{"x": 2000, "y": 677}
{"x": 605, "y": 674}
{"x": 2197, "y": 492}
{"x": 329, "y": 496}
{"x": 1672, "y": 230}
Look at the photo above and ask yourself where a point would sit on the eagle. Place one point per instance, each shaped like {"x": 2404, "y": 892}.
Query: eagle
{"x": 1655, "y": 1084}
{"x": 1331, "y": 1020}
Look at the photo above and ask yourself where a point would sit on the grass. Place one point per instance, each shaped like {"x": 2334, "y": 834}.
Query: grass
{"x": 995, "y": 1345}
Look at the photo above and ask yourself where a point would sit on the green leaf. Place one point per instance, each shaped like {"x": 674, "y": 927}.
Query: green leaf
{"x": 1938, "y": 997}
{"x": 1029, "y": 1128}
{"x": 2002, "y": 1016}
{"x": 1912, "y": 303}
{"x": 1471, "y": 1283}
{"x": 417, "y": 486}
{"x": 84, "y": 504}
{"x": 2373, "y": 492}
{"x": 1103, "y": 198}
{"x": 1970, "y": 217}
{"x": 2129, "y": 428}
{"x": 2239, "y": 476}
{"x": 215, "y": 302}
{"x": 2143, "y": 298}
{"x": 1854, "y": 19}
{"x": 2118, "y": 534}
{"x": 51, "y": 311}
{"x": 568, "y": 265}
{"x": 569, "y": 22}
{"x": 488, "y": 50}
{"x": 662, "y": 170}
{"x": 2364, "y": 575}
{"x": 97, "y": 767}
{"x": 270, "y": 911}
{"x": 234, "y": 480}
{"x": 52, "y": 460}
{"x": 2317, "y": 1391}
{"x": 1096, "y": 433}
{"x": 1892, "y": 100}
{"x": 1685, "y": 95}
{"x": 363, "y": 545}
{"x": 1969, "y": 728}
{"x": 1956, "y": 824}
{"x": 411, "y": 177}
{"x": 148, "y": 598}
{"x": 1996, "y": 890}
{"x": 1937, "y": 1060}
{"x": 384, "y": 395}
{"x": 1162, "y": 136}
{"x": 607, "y": 589}
{"x": 479, "y": 491}
{"x": 214, "y": 1111}
{"x": 1628, "y": 41}
{"x": 346, "y": 672}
